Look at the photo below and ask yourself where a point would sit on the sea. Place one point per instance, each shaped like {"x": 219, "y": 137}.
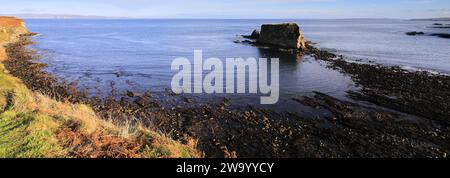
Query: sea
{"x": 136, "y": 54}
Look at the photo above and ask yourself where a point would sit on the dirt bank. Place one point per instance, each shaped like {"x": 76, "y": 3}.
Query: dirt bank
{"x": 10, "y": 28}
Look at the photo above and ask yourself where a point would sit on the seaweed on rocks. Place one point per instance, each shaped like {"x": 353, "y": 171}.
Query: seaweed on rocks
{"x": 21, "y": 63}
{"x": 420, "y": 93}
{"x": 441, "y": 35}
{"x": 375, "y": 132}
{"x": 349, "y": 129}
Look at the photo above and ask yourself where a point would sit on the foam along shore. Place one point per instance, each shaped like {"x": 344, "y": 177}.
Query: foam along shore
{"x": 35, "y": 125}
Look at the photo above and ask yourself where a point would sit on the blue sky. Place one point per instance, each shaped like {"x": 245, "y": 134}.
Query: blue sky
{"x": 233, "y": 8}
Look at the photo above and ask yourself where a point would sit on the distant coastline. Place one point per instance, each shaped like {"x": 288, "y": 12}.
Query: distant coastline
{"x": 95, "y": 17}
{"x": 332, "y": 130}
{"x": 433, "y": 19}
{"x": 62, "y": 16}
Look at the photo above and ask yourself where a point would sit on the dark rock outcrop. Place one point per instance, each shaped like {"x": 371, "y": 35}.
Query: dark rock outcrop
{"x": 442, "y": 26}
{"x": 441, "y": 35}
{"x": 286, "y": 35}
{"x": 254, "y": 36}
{"x": 414, "y": 33}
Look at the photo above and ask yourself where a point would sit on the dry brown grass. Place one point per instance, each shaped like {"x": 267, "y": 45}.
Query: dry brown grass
{"x": 83, "y": 134}
{"x": 2, "y": 54}
{"x": 86, "y": 135}
{"x": 76, "y": 130}
{"x": 75, "y": 112}
{"x": 10, "y": 28}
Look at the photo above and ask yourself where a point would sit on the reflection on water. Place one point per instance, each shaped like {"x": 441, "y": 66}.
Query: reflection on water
{"x": 137, "y": 54}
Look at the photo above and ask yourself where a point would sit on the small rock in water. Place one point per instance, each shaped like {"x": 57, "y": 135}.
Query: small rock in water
{"x": 441, "y": 35}
{"x": 414, "y": 33}
{"x": 130, "y": 93}
{"x": 118, "y": 74}
{"x": 255, "y": 35}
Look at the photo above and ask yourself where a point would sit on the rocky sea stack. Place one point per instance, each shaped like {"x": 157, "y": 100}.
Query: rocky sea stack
{"x": 286, "y": 35}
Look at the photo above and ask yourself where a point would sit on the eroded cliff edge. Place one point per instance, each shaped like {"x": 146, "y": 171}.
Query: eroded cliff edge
{"x": 10, "y": 30}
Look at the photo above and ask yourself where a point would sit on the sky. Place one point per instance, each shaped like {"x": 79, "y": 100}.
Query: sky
{"x": 233, "y": 9}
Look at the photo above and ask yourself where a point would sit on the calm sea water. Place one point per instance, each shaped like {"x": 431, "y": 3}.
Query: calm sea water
{"x": 137, "y": 54}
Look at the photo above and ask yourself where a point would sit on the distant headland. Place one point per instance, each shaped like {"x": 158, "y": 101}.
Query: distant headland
{"x": 433, "y": 19}
{"x": 62, "y": 16}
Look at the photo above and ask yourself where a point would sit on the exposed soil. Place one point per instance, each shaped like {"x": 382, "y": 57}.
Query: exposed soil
{"x": 2, "y": 53}
{"x": 340, "y": 129}
{"x": 10, "y": 22}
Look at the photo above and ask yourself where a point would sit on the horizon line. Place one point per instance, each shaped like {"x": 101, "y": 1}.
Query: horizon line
{"x": 99, "y": 17}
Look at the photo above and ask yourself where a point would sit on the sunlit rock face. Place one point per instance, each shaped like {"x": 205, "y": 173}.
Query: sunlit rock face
{"x": 10, "y": 29}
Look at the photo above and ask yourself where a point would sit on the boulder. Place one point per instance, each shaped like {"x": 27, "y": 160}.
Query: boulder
{"x": 286, "y": 35}
{"x": 253, "y": 36}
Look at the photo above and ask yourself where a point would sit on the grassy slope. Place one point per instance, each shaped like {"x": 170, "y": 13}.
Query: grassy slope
{"x": 33, "y": 125}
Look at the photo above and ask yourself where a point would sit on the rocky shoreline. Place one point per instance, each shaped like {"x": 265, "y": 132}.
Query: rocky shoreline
{"x": 345, "y": 129}
{"x": 436, "y": 26}
{"x": 38, "y": 121}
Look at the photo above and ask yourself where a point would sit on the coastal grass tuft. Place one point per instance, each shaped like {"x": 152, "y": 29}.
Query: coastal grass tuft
{"x": 28, "y": 135}
{"x": 24, "y": 132}
{"x": 29, "y": 122}
{"x": 5, "y": 34}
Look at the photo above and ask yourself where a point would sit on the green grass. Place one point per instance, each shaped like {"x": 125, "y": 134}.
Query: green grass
{"x": 9, "y": 84}
{"x": 29, "y": 120}
{"x": 27, "y": 135}
{"x": 24, "y": 133}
